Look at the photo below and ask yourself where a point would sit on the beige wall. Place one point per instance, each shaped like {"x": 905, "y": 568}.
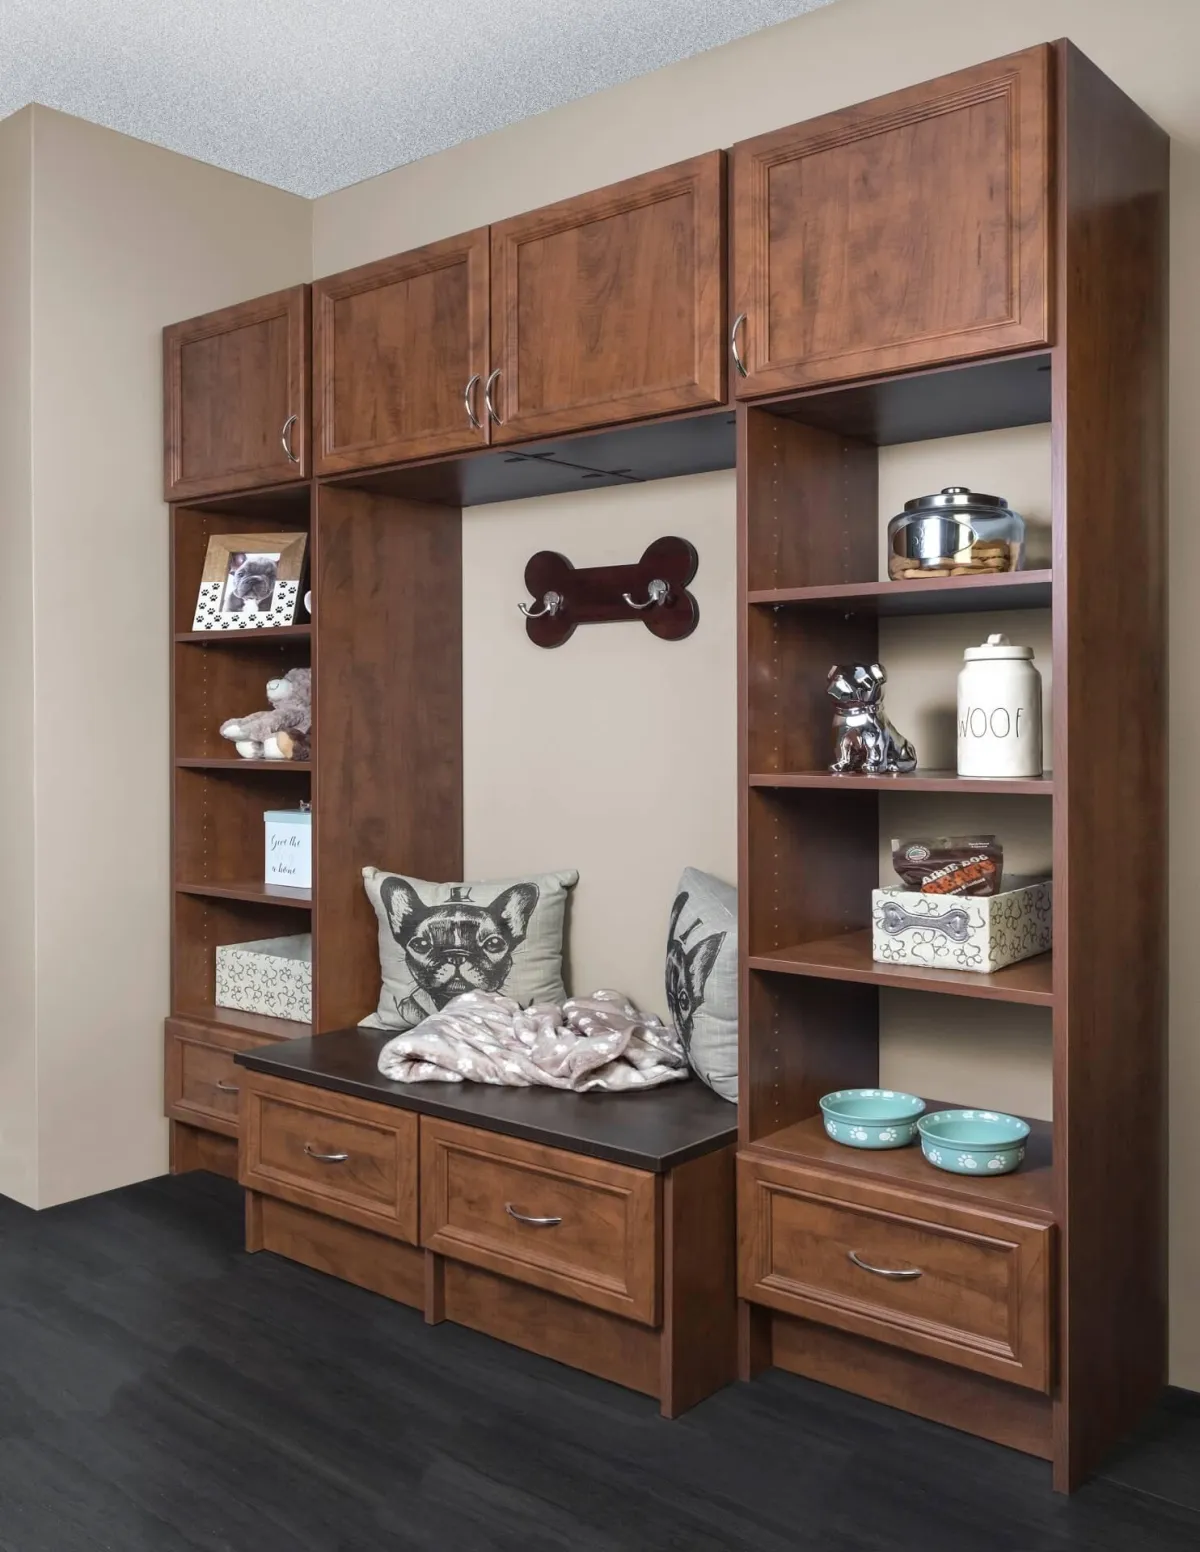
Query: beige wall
{"x": 125, "y": 238}
{"x": 18, "y": 1049}
{"x": 839, "y": 55}
{"x": 616, "y": 753}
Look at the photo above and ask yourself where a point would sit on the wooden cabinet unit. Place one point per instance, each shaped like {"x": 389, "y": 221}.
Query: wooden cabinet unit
{"x": 611, "y": 306}
{"x": 600, "y": 1235}
{"x": 955, "y": 258}
{"x": 235, "y": 397}
{"x": 400, "y": 356}
{"x": 902, "y": 232}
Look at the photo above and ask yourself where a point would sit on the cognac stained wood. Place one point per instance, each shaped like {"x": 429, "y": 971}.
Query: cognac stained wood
{"x": 400, "y": 348}
{"x": 1011, "y": 1415}
{"x": 202, "y": 1081}
{"x": 245, "y": 638}
{"x": 237, "y": 764}
{"x": 248, "y": 889}
{"x": 905, "y": 231}
{"x": 937, "y": 595}
{"x": 385, "y": 1266}
{"x": 235, "y": 396}
{"x": 611, "y": 306}
{"x": 918, "y": 781}
{"x": 1028, "y": 1192}
{"x": 579, "y": 1227}
{"x": 1111, "y": 969}
{"x": 847, "y": 957}
{"x": 265, "y": 1029}
{"x": 352, "y": 1161}
{"x": 960, "y": 1284}
{"x": 388, "y": 752}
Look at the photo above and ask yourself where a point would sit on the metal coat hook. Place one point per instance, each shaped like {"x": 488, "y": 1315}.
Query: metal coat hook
{"x": 659, "y": 593}
{"x": 552, "y": 602}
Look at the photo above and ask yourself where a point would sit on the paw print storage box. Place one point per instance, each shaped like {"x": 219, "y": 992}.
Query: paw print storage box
{"x": 962, "y": 932}
{"x": 271, "y": 976}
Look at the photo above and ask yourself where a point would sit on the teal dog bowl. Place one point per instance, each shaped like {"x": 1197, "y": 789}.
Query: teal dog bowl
{"x": 973, "y": 1142}
{"x": 871, "y": 1118}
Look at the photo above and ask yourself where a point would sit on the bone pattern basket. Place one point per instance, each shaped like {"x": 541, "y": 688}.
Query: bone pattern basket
{"x": 962, "y": 932}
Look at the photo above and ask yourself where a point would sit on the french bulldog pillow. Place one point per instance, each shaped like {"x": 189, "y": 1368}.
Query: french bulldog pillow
{"x": 437, "y": 941}
{"x": 702, "y": 977}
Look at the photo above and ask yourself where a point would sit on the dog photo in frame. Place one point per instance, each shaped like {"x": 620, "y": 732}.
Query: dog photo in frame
{"x": 250, "y": 581}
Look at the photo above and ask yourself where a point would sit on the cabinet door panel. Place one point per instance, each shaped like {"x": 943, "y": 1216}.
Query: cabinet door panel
{"x": 611, "y": 306}
{"x": 395, "y": 345}
{"x": 232, "y": 382}
{"x": 903, "y": 232}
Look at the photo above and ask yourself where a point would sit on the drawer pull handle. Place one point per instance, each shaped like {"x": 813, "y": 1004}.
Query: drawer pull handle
{"x": 226, "y": 1087}
{"x": 537, "y": 1223}
{"x": 325, "y": 1158}
{"x": 906, "y": 1275}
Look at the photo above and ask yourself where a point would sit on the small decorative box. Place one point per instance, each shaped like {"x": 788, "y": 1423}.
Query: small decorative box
{"x": 272, "y": 976}
{"x": 289, "y": 847}
{"x": 962, "y": 932}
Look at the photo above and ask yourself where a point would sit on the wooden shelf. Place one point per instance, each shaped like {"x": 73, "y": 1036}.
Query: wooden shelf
{"x": 848, "y": 958}
{"x": 919, "y": 781}
{"x": 245, "y": 1023}
{"x": 238, "y": 764}
{"x": 1028, "y": 1190}
{"x": 261, "y": 636}
{"x": 939, "y": 595}
{"x": 256, "y": 893}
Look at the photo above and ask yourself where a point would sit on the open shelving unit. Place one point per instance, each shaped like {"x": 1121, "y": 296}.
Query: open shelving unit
{"x": 810, "y": 854}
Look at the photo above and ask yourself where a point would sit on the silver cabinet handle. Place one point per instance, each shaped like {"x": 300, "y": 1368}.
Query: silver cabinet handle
{"x": 226, "y": 1087}
{"x": 885, "y": 1271}
{"x": 658, "y": 592}
{"x": 469, "y": 402}
{"x": 493, "y": 379}
{"x": 325, "y": 1158}
{"x": 283, "y": 437}
{"x": 733, "y": 345}
{"x": 537, "y": 1223}
{"x": 552, "y": 602}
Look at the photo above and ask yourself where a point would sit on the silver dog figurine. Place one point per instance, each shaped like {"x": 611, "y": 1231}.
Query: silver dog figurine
{"x": 865, "y": 741}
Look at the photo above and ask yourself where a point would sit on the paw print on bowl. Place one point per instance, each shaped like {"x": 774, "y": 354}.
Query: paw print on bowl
{"x": 934, "y": 1155}
{"x": 994, "y": 1163}
{"x": 888, "y": 1134}
{"x": 967, "y": 1161}
{"x": 831, "y": 1128}
{"x": 859, "y": 1134}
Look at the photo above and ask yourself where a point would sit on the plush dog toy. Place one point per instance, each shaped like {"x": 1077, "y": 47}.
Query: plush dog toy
{"x": 283, "y": 732}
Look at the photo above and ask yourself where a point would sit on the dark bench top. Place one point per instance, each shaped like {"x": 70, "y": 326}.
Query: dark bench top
{"x": 652, "y": 1129}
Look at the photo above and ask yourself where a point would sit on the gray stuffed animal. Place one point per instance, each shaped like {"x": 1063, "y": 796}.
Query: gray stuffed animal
{"x": 865, "y": 741}
{"x": 283, "y": 732}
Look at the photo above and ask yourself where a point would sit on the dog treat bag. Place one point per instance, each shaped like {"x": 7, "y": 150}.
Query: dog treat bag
{"x": 950, "y": 864}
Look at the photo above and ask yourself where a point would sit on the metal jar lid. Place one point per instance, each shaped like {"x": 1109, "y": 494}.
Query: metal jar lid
{"x": 957, "y": 498}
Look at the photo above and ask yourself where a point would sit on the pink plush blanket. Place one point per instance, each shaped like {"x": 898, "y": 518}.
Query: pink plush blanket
{"x": 597, "y": 1042}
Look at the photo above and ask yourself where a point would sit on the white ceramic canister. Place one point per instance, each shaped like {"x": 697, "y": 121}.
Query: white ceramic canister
{"x": 999, "y": 711}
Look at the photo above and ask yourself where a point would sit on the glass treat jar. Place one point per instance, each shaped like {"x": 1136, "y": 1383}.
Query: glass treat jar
{"x": 956, "y": 533}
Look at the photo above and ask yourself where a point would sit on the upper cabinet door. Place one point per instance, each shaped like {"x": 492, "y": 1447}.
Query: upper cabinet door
{"x": 400, "y": 356}
{"x": 611, "y": 306}
{"x": 235, "y": 397}
{"x": 907, "y": 231}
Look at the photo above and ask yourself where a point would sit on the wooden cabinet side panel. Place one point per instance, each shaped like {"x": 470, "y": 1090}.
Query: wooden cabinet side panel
{"x": 902, "y": 232}
{"x": 611, "y": 306}
{"x": 1110, "y": 964}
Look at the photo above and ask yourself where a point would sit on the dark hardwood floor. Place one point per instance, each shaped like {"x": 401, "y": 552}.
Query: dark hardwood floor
{"x": 162, "y": 1391}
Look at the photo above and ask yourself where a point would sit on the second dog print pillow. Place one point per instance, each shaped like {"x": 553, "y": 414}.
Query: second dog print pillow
{"x": 702, "y": 977}
{"x": 437, "y": 941}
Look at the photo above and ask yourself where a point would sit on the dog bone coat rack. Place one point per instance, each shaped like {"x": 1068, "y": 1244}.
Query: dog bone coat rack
{"x": 653, "y": 590}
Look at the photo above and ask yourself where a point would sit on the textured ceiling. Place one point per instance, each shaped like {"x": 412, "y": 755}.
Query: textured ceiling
{"x": 311, "y": 95}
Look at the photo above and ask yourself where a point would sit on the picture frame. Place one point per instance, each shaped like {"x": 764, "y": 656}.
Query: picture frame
{"x": 251, "y": 581}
